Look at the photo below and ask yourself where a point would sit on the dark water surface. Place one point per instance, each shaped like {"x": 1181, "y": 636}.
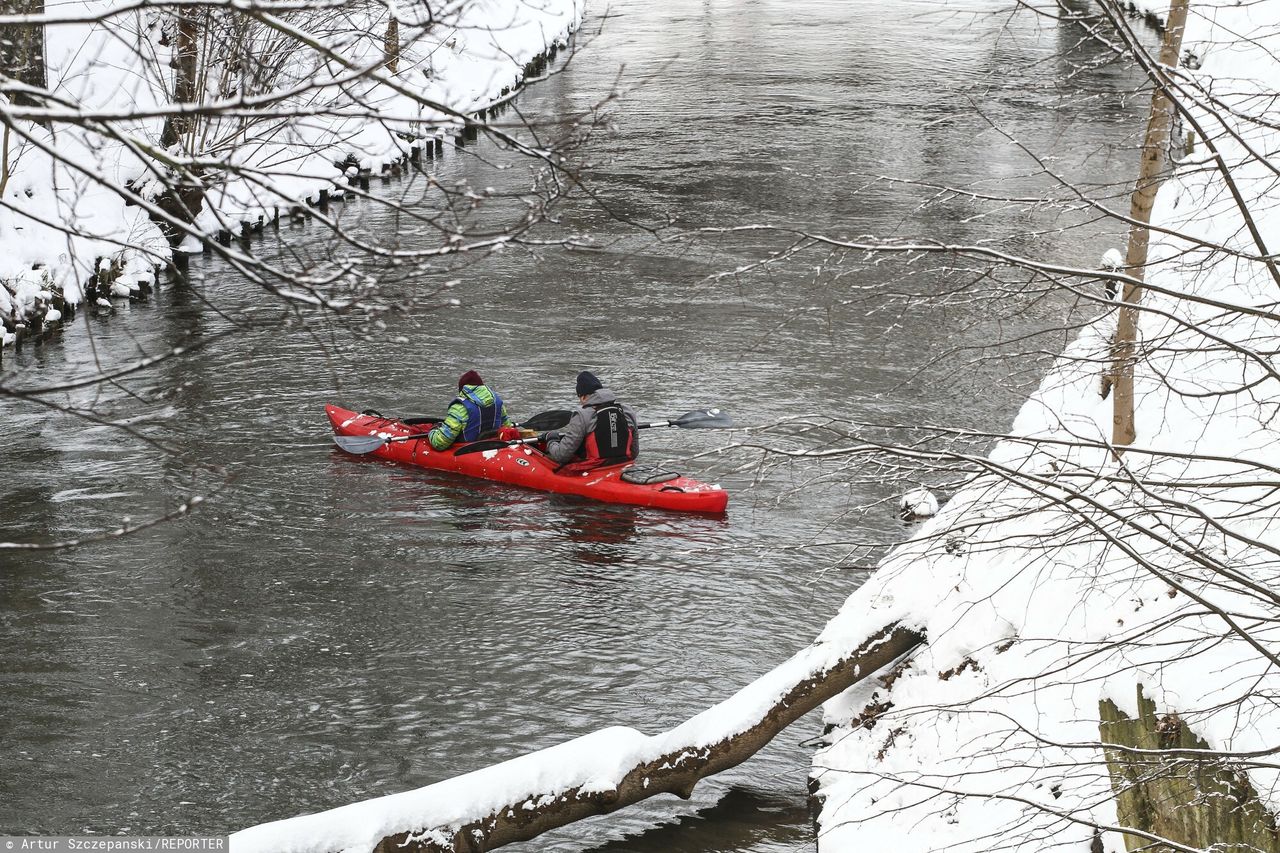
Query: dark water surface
{"x": 327, "y": 629}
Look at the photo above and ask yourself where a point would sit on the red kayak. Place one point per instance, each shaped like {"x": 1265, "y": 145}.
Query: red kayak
{"x": 523, "y": 465}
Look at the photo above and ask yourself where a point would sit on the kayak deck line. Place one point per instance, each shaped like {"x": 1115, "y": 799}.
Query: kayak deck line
{"x": 528, "y": 467}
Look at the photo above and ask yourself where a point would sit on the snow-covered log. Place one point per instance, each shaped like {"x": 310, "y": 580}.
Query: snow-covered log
{"x": 594, "y": 774}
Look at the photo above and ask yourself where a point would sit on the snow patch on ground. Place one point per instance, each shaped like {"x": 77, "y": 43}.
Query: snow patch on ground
{"x": 918, "y": 503}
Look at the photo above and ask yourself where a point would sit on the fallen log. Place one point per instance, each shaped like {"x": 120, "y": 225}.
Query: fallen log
{"x": 595, "y": 774}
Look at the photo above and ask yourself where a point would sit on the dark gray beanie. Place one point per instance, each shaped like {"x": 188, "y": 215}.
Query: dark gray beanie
{"x": 587, "y": 383}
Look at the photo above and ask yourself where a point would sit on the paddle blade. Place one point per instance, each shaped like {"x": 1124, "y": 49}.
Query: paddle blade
{"x": 704, "y": 419}
{"x": 359, "y": 443}
{"x": 543, "y": 421}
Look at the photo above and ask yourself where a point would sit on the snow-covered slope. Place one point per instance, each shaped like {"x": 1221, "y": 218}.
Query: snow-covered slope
{"x": 1061, "y": 577}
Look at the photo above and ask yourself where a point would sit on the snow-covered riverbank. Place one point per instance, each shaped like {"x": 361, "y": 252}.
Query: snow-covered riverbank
{"x": 71, "y": 184}
{"x": 1062, "y": 578}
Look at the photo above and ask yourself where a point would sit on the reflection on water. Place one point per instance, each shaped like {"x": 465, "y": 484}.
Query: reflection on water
{"x": 601, "y": 537}
{"x": 332, "y": 628}
{"x": 740, "y": 820}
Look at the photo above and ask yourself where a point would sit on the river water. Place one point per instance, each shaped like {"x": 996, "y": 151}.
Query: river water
{"x": 327, "y": 629}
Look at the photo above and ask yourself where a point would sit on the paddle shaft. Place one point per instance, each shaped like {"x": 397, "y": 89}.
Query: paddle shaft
{"x": 713, "y": 418}
{"x": 542, "y": 421}
{"x": 409, "y": 437}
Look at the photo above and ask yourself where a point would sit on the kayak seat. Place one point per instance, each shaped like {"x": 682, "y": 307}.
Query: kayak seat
{"x": 647, "y": 475}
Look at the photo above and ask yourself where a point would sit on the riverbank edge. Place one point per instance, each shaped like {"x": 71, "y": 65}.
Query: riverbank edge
{"x": 42, "y": 309}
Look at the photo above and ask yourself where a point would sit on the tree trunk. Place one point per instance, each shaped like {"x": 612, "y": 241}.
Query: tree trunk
{"x": 1202, "y": 803}
{"x": 447, "y": 817}
{"x": 184, "y": 195}
{"x": 1151, "y": 174}
{"x": 22, "y": 50}
{"x": 391, "y": 44}
{"x": 184, "y": 74}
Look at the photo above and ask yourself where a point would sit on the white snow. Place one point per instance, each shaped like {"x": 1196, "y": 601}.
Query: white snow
{"x": 589, "y": 761}
{"x": 918, "y": 503}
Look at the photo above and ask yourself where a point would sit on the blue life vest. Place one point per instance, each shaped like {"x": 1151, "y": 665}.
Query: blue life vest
{"x": 481, "y": 419}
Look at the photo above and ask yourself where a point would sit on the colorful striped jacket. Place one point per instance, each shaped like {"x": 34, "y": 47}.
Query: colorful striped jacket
{"x": 456, "y": 420}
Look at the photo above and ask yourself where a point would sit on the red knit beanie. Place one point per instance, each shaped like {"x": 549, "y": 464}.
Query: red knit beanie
{"x": 469, "y": 378}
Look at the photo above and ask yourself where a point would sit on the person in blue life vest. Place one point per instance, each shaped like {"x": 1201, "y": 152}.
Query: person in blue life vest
{"x": 602, "y": 430}
{"x": 477, "y": 412}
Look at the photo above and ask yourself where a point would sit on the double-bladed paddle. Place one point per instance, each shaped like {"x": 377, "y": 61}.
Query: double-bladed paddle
{"x": 554, "y": 419}
{"x": 697, "y": 419}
